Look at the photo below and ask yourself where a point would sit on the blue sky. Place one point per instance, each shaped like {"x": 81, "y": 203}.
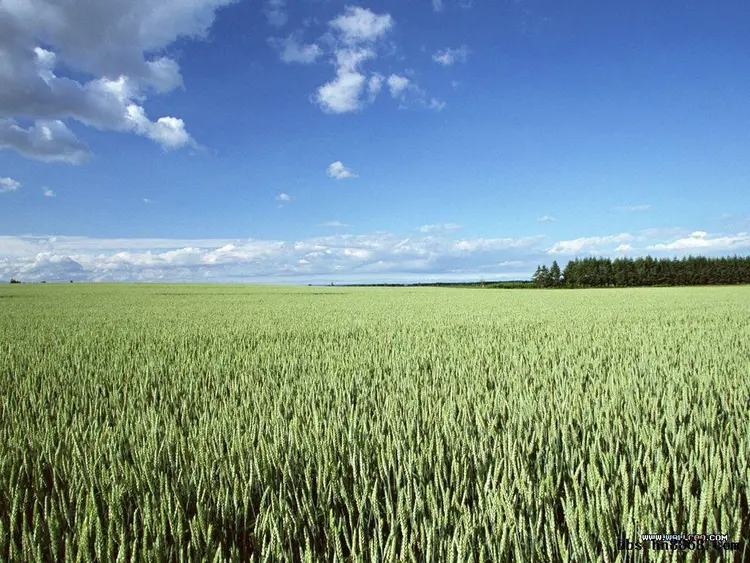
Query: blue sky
{"x": 318, "y": 140}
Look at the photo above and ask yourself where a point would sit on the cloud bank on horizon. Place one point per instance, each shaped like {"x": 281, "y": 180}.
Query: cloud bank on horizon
{"x": 430, "y": 252}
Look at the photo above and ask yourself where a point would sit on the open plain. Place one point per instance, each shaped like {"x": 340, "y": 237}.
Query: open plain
{"x": 236, "y": 423}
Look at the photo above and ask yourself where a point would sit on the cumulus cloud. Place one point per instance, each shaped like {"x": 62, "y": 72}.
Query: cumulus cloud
{"x": 167, "y": 131}
{"x": 375, "y": 85}
{"x": 360, "y": 25}
{"x": 338, "y": 171}
{"x": 48, "y": 193}
{"x": 43, "y": 266}
{"x": 9, "y": 185}
{"x": 95, "y": 62}
{"x": 356, "y": 33}
{"x": 587, "y": 244}
{"x": 109, "y": 37}
{"x": 546, "y": 219}
{"x": 343, "y": 94}
{"x": 293, "y": 50}
{"x": 357, "y": 37}
{"x": 410, "y": 95}
{"x": 48, "y": 141}
{"x": 275, "y": 11}
{"x": 398, "y": 85}
{"x": 284, "y": 198}
{"x": 449, "y": 57}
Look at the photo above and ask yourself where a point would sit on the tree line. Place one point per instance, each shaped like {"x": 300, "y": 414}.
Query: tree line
{"x": 648, "y": 271}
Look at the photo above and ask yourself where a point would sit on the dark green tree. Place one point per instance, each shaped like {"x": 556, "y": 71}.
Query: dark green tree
{"x": 542, "y": 277}
{"x": 555, "y": 275}
{"x": 538, "y": 278}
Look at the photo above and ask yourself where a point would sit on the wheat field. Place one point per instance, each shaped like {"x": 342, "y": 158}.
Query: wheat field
{"x": 231, "y": 423}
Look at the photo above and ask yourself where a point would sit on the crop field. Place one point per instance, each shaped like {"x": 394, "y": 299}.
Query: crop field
{"x": 229, "y": 423}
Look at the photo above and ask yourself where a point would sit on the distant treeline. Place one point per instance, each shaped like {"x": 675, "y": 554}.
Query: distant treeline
{"x": 515, "y": 284}
{"x": 648, "y": 271}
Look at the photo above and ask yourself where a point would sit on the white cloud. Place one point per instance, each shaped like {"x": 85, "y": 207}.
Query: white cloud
{"x": 46, "y": 61}
{"x": 167, "y": 131}
{"x": 437, "y": 5}
{"x": 48, "y": 141}
{"x": 350, "y": 60}
{"x": 697, "y": 241}
{"x": 360, "y": 25}
{"x": 43, "y": 266}
{"x": 439, "y": 227}
{"x": 374, "y": 85}
{"x": 343, "y": 93}
{"x": 146, "y": 200}
{"x": 338, "y": 171}
{"x": 644, "y": 207}
{"x": 587, "y": 244}
{"x": 283, "y": 197}
{"x": 410, "y": 95}
{"x": 275, "y": 11}
{"x": 357, "y": 37}
{"x": 352, "y": 257}
{"x": 48, "y": 192}
{"x": 334, "y": 224}
{"x": 398, "y": 85}
{"x": 449, "y": 57}
{"x": 99, "y": 63}
{"x": 701, "y": 240}
{"x": 9, "y": 185}
{"x": 292, "y": 50}
{"x": 546, "y": 219}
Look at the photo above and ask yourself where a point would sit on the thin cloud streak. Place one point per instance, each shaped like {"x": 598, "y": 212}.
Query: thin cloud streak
{"x": 643, "y": 207}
